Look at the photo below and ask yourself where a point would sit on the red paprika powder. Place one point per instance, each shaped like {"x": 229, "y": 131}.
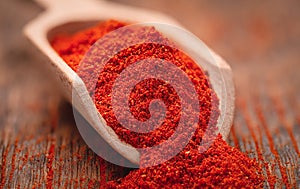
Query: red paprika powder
{"x": 219, "y": 166}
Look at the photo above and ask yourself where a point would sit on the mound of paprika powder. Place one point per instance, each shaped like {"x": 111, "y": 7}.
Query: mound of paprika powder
{"x": 219, "y": 166}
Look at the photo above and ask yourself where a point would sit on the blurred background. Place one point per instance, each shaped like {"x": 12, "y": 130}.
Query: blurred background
{"x": 259, "y": 39}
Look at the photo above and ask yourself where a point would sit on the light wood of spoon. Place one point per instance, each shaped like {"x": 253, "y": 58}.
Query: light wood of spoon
{"x": 60, "y": 12}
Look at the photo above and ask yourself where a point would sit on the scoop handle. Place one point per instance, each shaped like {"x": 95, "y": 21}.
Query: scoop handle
{"x": 47, "y": 4}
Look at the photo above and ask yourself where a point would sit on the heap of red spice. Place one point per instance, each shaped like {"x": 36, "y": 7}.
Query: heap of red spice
{"x": 219, "y": 166}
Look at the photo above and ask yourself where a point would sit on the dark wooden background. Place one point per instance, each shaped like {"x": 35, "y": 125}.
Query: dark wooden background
{"x": 261, "y": 41}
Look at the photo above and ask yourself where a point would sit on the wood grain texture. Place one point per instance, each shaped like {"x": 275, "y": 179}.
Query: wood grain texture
{"x": 40, "y": 146}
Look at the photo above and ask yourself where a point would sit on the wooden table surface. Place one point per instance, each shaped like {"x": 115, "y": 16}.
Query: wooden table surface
{"x": 261, "y": 41}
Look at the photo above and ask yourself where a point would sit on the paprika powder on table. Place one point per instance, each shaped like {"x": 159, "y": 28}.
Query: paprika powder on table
{"x": 219, "y": 166}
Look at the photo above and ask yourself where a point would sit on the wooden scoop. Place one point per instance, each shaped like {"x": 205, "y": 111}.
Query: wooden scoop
{"x": 71, "y": 15}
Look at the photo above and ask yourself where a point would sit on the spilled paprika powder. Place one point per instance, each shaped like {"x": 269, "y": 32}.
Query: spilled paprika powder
{"x": 219, "y": 166}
